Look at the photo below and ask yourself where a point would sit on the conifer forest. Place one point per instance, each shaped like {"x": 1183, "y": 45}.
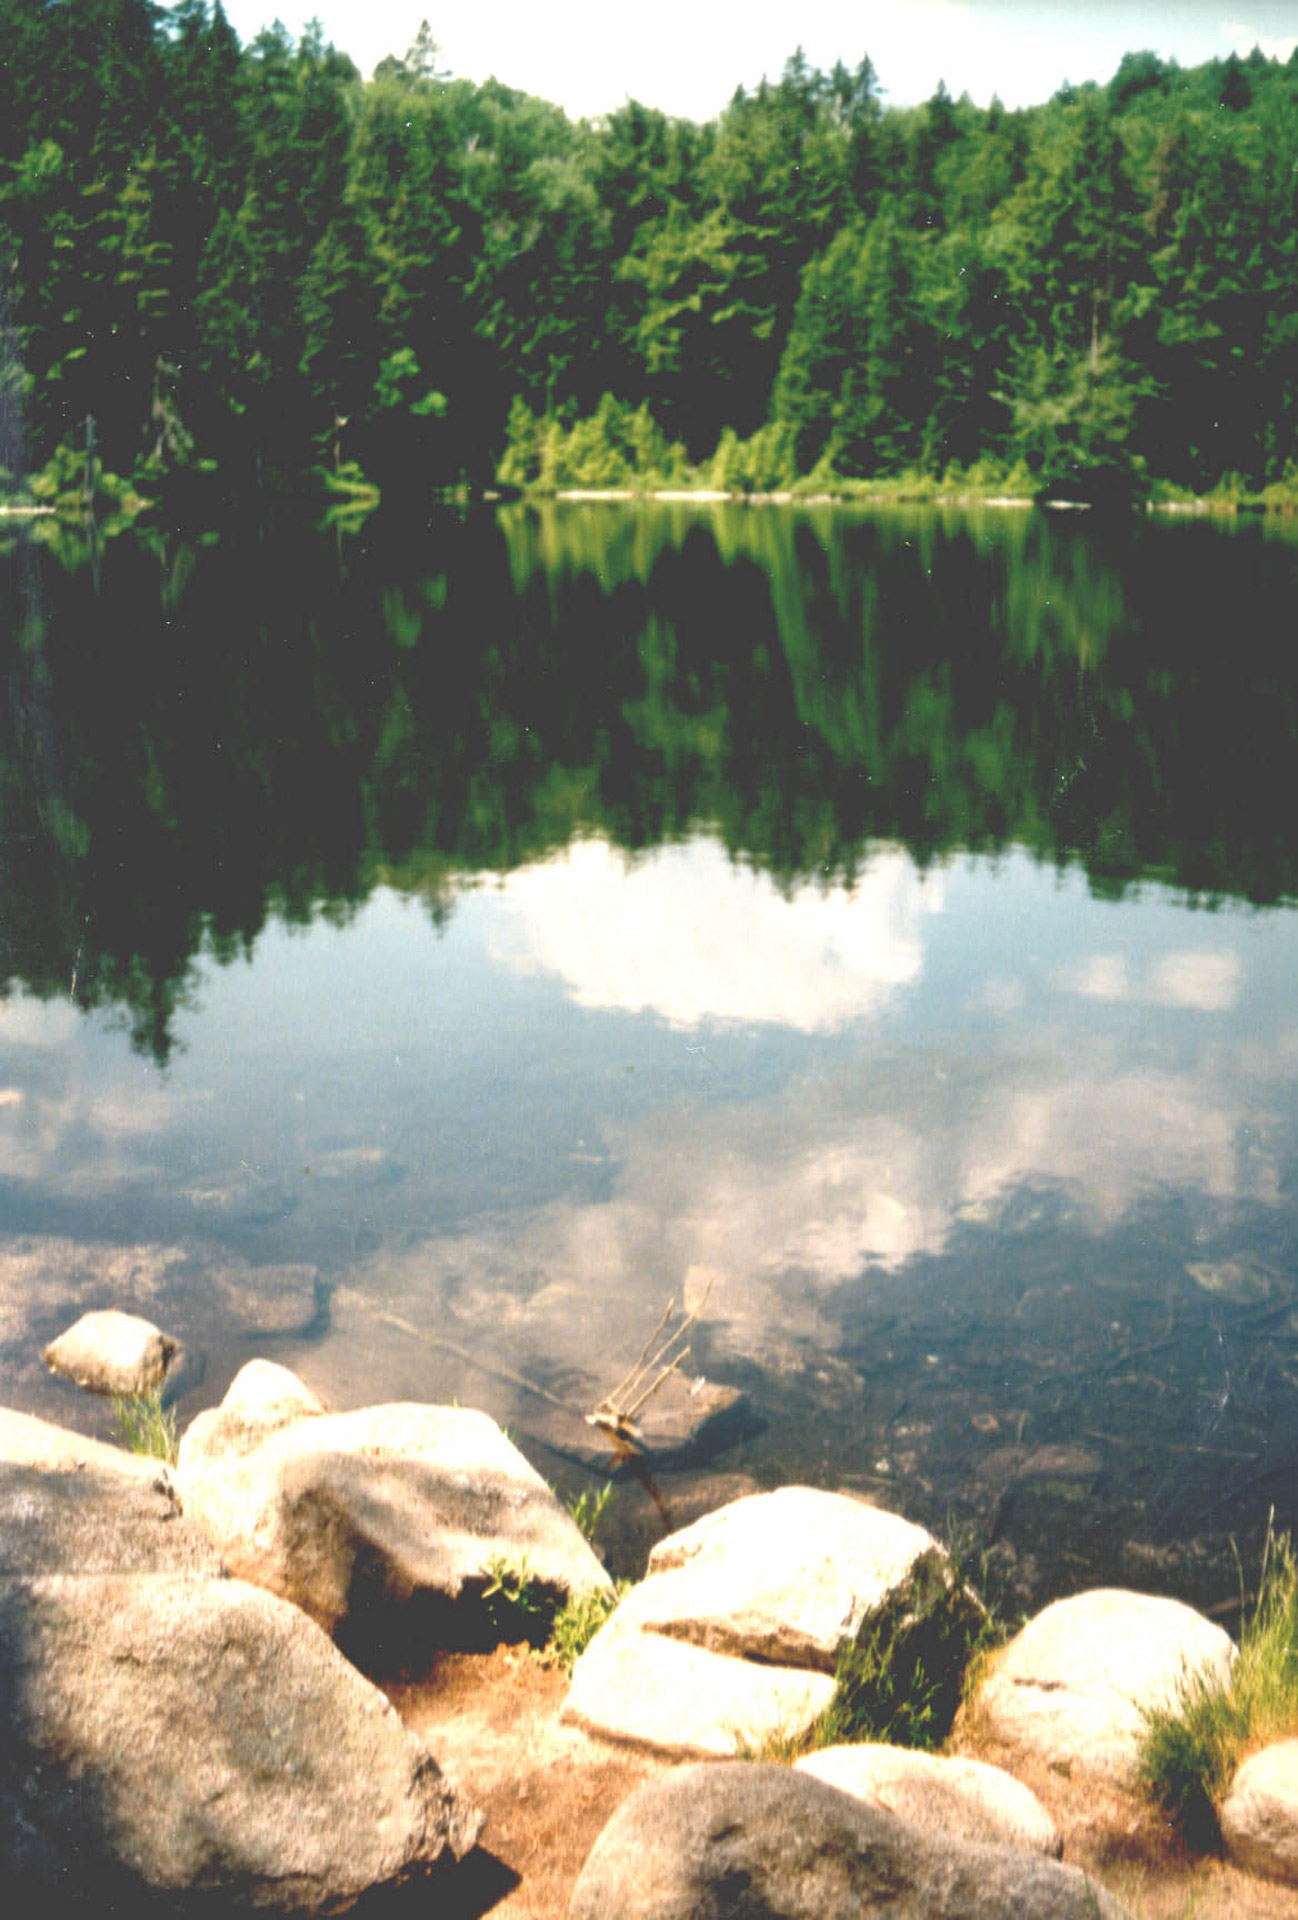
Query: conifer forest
{"x": 250, "y": 262}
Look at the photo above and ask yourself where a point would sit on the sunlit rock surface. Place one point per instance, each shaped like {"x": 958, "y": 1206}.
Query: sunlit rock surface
{"x": 733, "y": 1635}
{"x": 945, "y": 1793}
{"x": 1073, "y": 1684}
{"x": 359, "y": 1518}
{"x": 1259, "y": 1816}
{"x": 112, "y": 1352}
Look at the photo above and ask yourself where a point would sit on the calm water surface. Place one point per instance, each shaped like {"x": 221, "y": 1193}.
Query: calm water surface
{"x": 431, "y": 948}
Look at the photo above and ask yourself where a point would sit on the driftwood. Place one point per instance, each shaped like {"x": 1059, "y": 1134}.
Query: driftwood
{"x": 660, "y": 1357}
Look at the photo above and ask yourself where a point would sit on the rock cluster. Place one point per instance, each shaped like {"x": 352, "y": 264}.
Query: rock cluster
{"x": 169, "y": 1730}
{"x": 177, "y": 1717}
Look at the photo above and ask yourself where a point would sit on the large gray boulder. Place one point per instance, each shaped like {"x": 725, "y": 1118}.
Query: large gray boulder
{"x": 1259, "y": 1816}
{"x": 1074, "y": 1686}
{"x": 68, "y": 1504}
{"x": 966, "y": 1799}
{"x": 384, "y": 1524}
{"x": 729, "y": 1839}
{"x": 732, "y": 1638}
{"x": 176, "y": 1734}
{"x": 112, "y": 1352}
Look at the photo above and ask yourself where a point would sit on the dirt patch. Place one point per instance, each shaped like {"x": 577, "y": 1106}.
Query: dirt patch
{"x": 492, "y": 1721}
{"x": 548, "y": 1791}
{"x": 1127, "y": 1845}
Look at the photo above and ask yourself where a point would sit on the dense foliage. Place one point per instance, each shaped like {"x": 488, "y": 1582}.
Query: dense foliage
{"x": 250, "y": 256}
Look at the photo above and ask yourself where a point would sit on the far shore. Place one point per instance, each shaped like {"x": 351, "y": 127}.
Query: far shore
{"x": 901, "y": 497}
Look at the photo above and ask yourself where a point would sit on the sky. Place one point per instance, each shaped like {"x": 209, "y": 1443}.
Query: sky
{"x": 687, "y": 56}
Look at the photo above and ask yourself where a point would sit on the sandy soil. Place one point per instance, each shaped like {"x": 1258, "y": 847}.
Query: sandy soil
{"x": 547, "y": 1791}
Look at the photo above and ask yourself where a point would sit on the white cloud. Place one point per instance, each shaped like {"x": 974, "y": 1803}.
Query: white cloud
{"x": 28, "y": 1022}
{"x": 1241, "y": 37}
{"x": 1102, "y": 977}
{"x": 1207, "y": 982}
{"x": 688, "y": 56}
{"x": 689, "y": 936}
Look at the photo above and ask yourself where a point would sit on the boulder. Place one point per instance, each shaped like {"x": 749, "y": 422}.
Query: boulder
{"x": 730, "y": 1838}
{"x": 263, "y": 1396}
{"x": 112, "y": 1352}
{"x": 176, "y": 1734}
{"x": 1259, "y": 1816}
{"x": 732, "y": 1638}
{"x": 29, "y": 1442}
{"x": 686, "y": 1424}
{"x": 1073, "y": 1685}
{"x": 386, "y": 1525}
{"x": 784, "y": 1576}
{"x": 964, "y": 1798}
{"x": 641, "y": 1687}
{"x": 68, "y": 1504}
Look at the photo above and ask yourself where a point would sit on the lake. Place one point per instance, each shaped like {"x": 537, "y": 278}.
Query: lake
{"x": 432, "y": 946}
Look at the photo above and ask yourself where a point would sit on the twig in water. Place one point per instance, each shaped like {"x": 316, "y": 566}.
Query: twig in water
{"x": 660, "y": 1357}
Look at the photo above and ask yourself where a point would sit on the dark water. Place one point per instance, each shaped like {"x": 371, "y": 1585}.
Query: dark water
{"x": 430, "y": 948}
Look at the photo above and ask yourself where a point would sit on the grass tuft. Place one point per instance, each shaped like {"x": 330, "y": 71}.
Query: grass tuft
{"x": 517, "y": 1605}
{"x": 588, "y": 1509}
{"x": 576, "y": 1624}
{"x": 1191, "y": 1749}
{"x": 902, "y": 1680}
{"x": 146, "y": 1425}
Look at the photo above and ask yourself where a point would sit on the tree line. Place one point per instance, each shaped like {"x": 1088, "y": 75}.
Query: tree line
{"x": 249, "y": 260}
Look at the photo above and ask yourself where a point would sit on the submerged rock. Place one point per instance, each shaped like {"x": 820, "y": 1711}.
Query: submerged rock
{"x": 163, "y": 1732}
{"x": 686, "y": 1424}
{"x": 386, "y": 1524}
{"x": 111, "y": 1352}
{"x": 724, "y": 1839}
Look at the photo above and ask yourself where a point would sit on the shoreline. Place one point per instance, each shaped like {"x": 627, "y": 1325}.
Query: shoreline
{"x": 1202, "y": 506}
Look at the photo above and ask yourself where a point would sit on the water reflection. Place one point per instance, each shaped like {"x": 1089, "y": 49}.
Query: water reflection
{"x": 265, "y": 726}
{"x": 420, "y": 967}
{"x": 691, "y": 936}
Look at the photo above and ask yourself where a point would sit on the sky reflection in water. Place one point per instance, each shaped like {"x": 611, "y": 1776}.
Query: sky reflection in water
{"x": 949, "y": 1142}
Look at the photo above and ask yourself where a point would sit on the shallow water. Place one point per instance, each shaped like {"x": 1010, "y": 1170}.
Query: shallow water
{"x": 430, "y": 951}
